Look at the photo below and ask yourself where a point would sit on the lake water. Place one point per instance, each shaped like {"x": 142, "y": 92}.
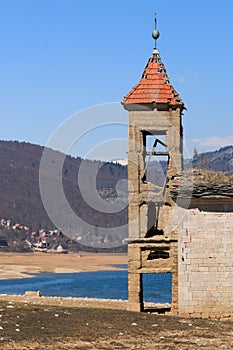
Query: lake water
{"x": 101, "y": 284}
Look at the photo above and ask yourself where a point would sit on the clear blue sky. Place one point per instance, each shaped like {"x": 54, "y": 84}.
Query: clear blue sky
{"x": 61, "y": 56}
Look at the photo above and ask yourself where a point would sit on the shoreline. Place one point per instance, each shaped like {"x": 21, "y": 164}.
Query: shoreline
{"x": 25, "y": 265}
{"x": 116, "y": 304}
{"x": 77, "y": 302}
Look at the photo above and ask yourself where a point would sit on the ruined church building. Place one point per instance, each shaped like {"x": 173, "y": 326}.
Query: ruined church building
{"x": 179, "y": 228}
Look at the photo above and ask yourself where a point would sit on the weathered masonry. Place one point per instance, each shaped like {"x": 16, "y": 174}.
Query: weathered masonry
{"x": 155, "y": 129}
{"x": 172, "y": 229}
{"x": 205, "y": 260}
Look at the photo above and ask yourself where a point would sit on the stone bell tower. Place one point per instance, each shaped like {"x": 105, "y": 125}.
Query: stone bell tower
{"x": 155, "y": 131}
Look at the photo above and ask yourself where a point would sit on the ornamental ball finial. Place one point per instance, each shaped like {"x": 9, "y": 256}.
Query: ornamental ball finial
{"x": 155, "y": 34}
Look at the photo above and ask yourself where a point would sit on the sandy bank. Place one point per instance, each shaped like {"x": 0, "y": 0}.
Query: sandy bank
{"x": 14, "y": 265}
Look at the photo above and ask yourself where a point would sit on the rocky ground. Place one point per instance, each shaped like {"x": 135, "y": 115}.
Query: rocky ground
{"x": 32, "y": 326}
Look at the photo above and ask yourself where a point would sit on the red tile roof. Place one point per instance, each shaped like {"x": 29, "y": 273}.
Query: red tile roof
{"x": 154, "y": 87}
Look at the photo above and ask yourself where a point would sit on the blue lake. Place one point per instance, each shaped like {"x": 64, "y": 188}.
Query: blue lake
{"x": 101, "y": 284}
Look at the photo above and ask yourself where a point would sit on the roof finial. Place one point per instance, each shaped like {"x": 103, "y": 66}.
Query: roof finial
{"x": 155, "y": 35}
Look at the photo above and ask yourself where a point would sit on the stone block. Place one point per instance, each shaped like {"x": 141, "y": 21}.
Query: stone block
{"x": 135, "y": 307}
{"x": 33, "y": 294}
{"x": 211, "y": 288}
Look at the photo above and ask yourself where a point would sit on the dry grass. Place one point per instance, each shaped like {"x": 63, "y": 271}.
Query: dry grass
{"x": 27, "y": 326}
{"x": 211, "y": 177}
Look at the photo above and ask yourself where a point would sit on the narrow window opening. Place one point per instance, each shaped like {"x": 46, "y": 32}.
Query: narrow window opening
{"x": 156, "y": 159}
{"x": 158, "y": 254}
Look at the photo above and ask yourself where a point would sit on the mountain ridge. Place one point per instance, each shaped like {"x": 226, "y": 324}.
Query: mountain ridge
{"x": 21, "y": 198}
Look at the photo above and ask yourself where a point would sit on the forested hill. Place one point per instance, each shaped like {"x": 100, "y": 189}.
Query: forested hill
{"x": 20, "y": 194}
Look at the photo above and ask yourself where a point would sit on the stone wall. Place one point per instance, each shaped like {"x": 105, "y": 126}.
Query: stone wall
{"x": 151, "y": 257}
{"x": 205, "y": 264}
